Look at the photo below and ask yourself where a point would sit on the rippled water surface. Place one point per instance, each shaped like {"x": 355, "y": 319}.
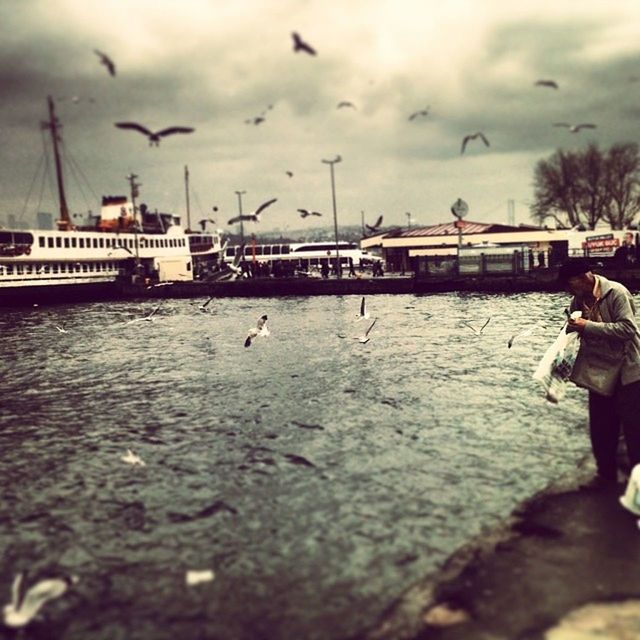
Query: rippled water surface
{"x": 317, "y": 476}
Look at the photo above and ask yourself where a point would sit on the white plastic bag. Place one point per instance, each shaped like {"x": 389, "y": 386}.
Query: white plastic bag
{"x": 556, "y": 365}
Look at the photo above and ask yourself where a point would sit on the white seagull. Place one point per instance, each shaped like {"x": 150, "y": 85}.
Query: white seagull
{"x": 203, "y": 307}
{"x": 61, "y": 330}
{"x": 364, "y": 314}
{"x": 476, "y": 331}
{"x": 26, "y": 603}
{"x": 365, "y": 338}
{"x": 147, "y": 318}
{"x": 473, "y": 136}
{"x": 259, "y": 330}
{"x": 133, "y": 459}
{"x": 193, "y": 577}
{"x": 574, "y": 128}
{"x": 522, "y": 334}
{"x": 235, "y": 265}
{"x": 255, "y": 216}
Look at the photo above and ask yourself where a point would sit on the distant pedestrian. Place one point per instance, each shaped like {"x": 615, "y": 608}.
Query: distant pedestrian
{"x": 352, "y": 271}
{"x": 541, "y": 260}
{"x": 324, "y": 270}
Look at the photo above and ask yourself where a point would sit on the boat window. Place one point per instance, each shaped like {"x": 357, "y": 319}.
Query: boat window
{"x": 267, "y": 251}
{"x": 231, "y": 252}
{"x": 101, "y": 241}
{"x": 59, "y": 242}
{"x": 85, "y": 267}
{"x": 188, "y": 266}
{"x": 259, "y": 251}
{"x": 9, "y": 269}
{"x": 73, "y": 243}
{"x": 81, "y": 243}
{"x": 66, "y": 243}
{"x": 29, "y": 268}
{"x": 41, "y": 241}
{"x": 19, "y": 269}
{"x": 55, "y": 268}
{"x": 285, "y": 248}
{"x": 23, "y": 238}
{"x": 50, "y": 243}
{"x": 5, "y": 237}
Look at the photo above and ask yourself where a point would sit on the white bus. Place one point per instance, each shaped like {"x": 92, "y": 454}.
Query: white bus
{"x": 304, "y": 255}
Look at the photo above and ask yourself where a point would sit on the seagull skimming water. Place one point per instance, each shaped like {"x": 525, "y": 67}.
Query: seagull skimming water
{"x": 259, "y": 330}
{"x": 26, "y": 603}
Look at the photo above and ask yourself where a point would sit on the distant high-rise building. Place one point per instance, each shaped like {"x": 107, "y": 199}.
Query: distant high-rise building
{"x": 45, "y": 220}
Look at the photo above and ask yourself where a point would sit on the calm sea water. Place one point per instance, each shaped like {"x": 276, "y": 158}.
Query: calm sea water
{"x": 318, "y": 477}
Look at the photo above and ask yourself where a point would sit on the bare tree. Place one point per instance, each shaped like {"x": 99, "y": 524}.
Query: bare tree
{"x": 556, "y": 193}
{"x": 585, "y": 188}
{"x": 623, "y": 169}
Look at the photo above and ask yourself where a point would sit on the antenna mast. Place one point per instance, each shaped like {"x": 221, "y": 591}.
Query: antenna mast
{"x": 64, "y": 223}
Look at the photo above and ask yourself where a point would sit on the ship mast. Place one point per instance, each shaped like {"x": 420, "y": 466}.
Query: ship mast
{"x": 64, "y": 223}
{"x": 186, "y": 188}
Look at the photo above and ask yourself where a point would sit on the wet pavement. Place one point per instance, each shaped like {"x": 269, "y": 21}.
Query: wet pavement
{"x": 566, "y": 566}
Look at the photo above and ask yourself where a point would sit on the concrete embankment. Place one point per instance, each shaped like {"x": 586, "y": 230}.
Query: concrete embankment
{"x": 564, "y": 566}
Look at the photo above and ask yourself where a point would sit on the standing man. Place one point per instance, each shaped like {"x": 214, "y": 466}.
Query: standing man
{"x": 608, "y": 364}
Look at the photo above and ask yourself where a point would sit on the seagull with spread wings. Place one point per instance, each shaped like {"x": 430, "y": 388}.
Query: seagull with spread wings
{"x": 346, "y": 103}
{"x": 106, "y": 61}
{"x": 304, "y": 213}
{"x": 255, "y": 216}
{"x": 473, "y": 136}
{"x": 363, "y": 339}
{"x": 300, "y": 45}
{"x": 363, "y": 314}
{"x": 552, "y": 84}
{"x": 259, "y": 330}
{"x": 374, "y": 227}
{"x": 27, "y": 602}
{"x": 477, "y": 331}
{"x": 154, "y": 136}
{"x": 574, "y": 128}
{"x": 422, "y": 112}
{"x": 237, "y": 259}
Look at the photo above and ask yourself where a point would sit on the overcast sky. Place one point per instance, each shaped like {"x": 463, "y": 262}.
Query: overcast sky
{"x": 213, "y": 64}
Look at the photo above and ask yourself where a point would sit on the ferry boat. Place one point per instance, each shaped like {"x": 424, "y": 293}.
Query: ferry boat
{"x": 124, "y": 243}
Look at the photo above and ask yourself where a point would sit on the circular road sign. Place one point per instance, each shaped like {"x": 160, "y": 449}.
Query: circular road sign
{"x": 459, "y": 208}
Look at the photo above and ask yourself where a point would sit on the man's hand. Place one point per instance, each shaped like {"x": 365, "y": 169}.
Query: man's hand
{"x": 576, "y": 324}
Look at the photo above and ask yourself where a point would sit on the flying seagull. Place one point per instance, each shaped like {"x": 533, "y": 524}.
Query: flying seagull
{"x": 235, "y": 265}
{"x": 522, "y": 334}
{"x": 133, "y": 459}
{"x": 365, "y": 338}
{"x": 26, "y": 603}
{"x": 476, "y": 331}
{"x": 106, "y": 61}
{"x": 149, "y": 316}
{"x": 547, "y": 83}
{"x": 473, "y": 136}
{"x": 255, "y": 216}
{"x": 300, "y": 45}
{"x": 203, "y": 307}
{"x": 422, "y": 112}
{"x": 574, "y": 128}
{"x": 305, "y": 213}
{"x": 375, "y": 226}
{"x": 363, "y": 314}
{"x": 289, "y": 173}
{"x": 259, "y": 330}
{"x": 154, "y": 137}
{"x": 346, "y": 103}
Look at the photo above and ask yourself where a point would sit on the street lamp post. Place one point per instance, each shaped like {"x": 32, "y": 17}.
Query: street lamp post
{"x": 335, "y": 212}
{"x": 239, "y": 194}
{"x": 134, "y": 194}
{"x": 408, "y": 214}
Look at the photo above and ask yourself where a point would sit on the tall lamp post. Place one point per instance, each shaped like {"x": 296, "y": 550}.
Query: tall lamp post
{"x": 134, "y": 186}
{"x": 239, "y": 194}
{"x": 335, "y": 212}
{"x": 408, "y": 214}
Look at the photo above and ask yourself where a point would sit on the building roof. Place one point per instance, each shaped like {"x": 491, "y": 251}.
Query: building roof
{"x": 449, "y": 228}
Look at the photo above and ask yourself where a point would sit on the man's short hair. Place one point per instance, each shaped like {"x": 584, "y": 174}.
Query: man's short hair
{"x": 573, "y": 267}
